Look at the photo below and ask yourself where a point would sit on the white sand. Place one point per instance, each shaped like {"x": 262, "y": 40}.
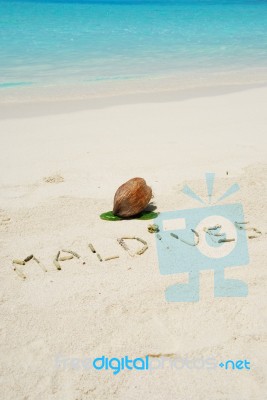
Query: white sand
{"x": 118, "y": 308}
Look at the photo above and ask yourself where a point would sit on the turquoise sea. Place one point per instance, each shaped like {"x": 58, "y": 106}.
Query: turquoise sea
{"x": 46, "y": 44}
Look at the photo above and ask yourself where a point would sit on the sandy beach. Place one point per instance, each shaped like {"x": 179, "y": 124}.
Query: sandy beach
{"x": 58, "y": 171}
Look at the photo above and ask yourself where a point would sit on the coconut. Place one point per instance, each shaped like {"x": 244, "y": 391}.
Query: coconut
{"x": 131, "y": 198}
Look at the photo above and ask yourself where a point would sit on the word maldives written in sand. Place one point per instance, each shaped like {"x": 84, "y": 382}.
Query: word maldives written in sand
{"x": 66, "y": 255}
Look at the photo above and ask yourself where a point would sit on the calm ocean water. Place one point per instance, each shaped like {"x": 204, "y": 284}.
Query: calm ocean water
{"x": 49, "y": 43}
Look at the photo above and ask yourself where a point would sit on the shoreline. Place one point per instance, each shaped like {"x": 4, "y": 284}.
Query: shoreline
{"x": 10, "y": 110}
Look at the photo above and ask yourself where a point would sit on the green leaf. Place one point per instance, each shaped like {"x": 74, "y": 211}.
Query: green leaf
{"x": 143, "y": 216}
{"x": 109, "y": 216}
